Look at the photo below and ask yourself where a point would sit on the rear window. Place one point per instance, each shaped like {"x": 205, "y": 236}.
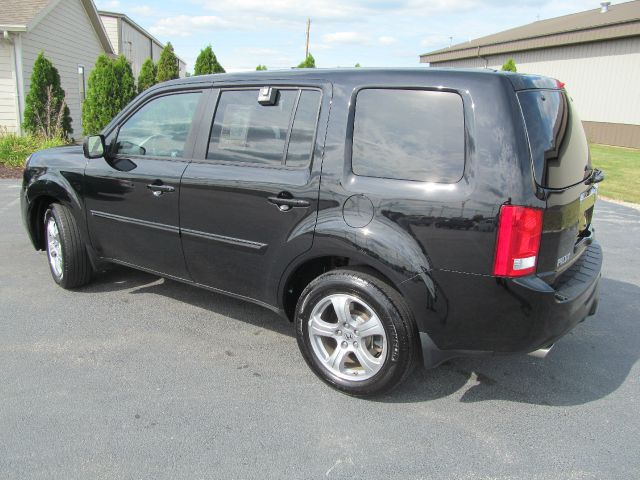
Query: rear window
{"x": 409, "y": 135}
{"x": 559, "y": 148}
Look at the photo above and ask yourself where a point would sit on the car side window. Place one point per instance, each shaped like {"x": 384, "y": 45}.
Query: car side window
{"x": 304, "y": 128}
{"x": 409, "y": 135}
{"x": 246, "y": 131}
{"x": 160, "y": 128}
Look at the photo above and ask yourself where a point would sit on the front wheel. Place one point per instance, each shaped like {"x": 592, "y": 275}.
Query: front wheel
{"x": 68, "y": 259}
{"x": 355, "y": 332}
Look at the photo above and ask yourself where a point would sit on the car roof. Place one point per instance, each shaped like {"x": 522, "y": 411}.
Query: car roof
{"x": 337, "y": 75}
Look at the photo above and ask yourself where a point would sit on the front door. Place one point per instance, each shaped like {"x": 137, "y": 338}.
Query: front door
{"x": 132, "y": 197}
{"x": 249, "y": 204}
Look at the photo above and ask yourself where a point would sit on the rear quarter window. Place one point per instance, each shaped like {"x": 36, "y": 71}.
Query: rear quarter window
{"x": 409, "y": 135}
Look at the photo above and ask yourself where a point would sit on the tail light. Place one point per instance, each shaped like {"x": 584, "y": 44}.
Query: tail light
{"x": 519, "y": 230}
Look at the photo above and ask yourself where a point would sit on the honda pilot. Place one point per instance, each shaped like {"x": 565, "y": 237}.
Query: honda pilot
{"x": 322, "y": 195}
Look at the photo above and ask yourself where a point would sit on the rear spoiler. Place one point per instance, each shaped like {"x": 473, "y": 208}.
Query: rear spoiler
{"x": 529, "y": 82}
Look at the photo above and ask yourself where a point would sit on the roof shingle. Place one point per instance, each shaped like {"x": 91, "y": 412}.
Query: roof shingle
{"x": 20, "y": 12}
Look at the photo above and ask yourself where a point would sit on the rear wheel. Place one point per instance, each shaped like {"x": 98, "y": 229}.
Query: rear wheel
{"x": 68, "y": 259}
{"x": 355, "y": 332}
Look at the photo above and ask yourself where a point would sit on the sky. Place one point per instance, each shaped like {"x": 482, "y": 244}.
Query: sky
{"x": 374, "y": 33}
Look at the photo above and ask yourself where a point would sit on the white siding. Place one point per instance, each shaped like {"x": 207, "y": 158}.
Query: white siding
{"x": 135, "y": 46}
{"x": 68, "y": 39}
{"x": 157, "y": 50}
{"x": 111, "y": 27}
{"x": 8, "y": 97}
{"x": 602, "y": 77}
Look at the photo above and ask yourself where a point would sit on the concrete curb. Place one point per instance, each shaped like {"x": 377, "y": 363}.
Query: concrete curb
{"x": 635, "y": 206}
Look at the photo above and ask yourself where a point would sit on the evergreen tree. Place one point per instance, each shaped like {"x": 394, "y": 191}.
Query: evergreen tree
{"x": 126, "y": 82}
{"x": 207, "y": 62}
{"x": 168, "y": 67}
{"x": 102, "y": 101}
{"x": 45, "y": 106}
{"x": 147, "y": 75}
{"x": 357, "y": 65}
{"x": 509, "y": 66}
{"x": 261, "y": 67}
{"x": 308, "y": 62}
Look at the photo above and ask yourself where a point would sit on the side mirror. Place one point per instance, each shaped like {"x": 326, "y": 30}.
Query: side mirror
{"x": 93, "y": 146}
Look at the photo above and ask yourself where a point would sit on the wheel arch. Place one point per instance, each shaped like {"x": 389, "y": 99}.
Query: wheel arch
{"x": 307, "y": 268}
{"x": 43, "y": 192}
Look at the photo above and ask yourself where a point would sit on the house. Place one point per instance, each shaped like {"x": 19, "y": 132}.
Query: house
{"x": 72, "y": 35}
{"x": 596, "y": 53}
{"x": 134, "y": 42}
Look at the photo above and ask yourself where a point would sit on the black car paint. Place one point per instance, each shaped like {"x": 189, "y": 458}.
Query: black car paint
{"x": 207, "y": 231}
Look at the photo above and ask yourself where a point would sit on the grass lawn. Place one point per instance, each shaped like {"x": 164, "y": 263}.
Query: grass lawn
{"x": 621, "y": 167}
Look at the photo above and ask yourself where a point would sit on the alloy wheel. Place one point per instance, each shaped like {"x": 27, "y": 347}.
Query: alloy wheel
{"x": 347, "y": 337}
{"x": 54, "y": 249}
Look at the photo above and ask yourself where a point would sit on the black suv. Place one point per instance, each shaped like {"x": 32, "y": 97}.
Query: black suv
{"x": 314, "y": 192}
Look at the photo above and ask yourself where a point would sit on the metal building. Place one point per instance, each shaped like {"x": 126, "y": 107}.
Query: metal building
{"x": 596, "y": 53}
{"x": 134, "y": 42}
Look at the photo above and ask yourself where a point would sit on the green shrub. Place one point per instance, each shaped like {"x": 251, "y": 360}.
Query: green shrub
{"x": 99, "y": 106}
{"x": 509, "y": 66}
{"x": 207, "y": 62}
{"x": 126, "y": 82}
{"x": 110, "y": 88}
{"x": 46, "y": 112}
{"x": 308, "y": 62}
{"x": 147, "y": 76}
{"x": 261, "y": 68}
{"x": 168, "y": 67}
{"x": 14, "y": 149}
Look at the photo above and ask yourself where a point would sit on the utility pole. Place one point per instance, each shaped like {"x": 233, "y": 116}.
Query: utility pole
{"x": 306, "y": 48}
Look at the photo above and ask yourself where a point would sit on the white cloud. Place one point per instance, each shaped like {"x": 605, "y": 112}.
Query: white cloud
{"x": 185, "y": 25}
{"x": 318, "y": 47}
{"x": 387, "y": 40}
{"x": 277, "y": 10}
{"x": 247, "y": 58}
{"x": 109, "y": 5}
{"x": 142, "y": 10}
{"x": 435, "y": 41}
{"x": 346, "y": 38}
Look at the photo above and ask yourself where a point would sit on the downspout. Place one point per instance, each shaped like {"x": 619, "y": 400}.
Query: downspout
{"x": 17, "y": 47}
{"x": 486, "y": 61}
{"x": 16, "y": 42}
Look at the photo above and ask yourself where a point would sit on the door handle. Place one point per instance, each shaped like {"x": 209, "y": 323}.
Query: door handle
{"x": 285, "y": 204}
{"x": 160, "y": 189}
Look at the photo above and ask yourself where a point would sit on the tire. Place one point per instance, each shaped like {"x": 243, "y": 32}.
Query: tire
{"x": 362, "y": 363}
{"x": 68, "y": 260}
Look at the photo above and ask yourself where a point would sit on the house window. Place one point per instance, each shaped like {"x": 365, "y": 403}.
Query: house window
{"x": 81, "y": 82}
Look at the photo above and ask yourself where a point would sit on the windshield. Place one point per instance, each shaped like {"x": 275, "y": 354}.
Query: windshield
{"x": 559, "y": 148}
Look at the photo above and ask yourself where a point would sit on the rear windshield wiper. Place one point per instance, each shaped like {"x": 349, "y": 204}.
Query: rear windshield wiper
{"x": 596, "y": 177}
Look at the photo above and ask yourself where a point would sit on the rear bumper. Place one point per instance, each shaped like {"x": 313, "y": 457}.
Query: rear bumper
{"x": 501, "y": 316}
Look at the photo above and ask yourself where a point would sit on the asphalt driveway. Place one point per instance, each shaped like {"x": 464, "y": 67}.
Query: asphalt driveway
{"x": 140, "y": 377}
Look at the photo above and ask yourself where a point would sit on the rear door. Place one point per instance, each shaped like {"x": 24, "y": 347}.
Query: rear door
{"x": 249, "y": 202}
{"x": 561, "y": 164}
